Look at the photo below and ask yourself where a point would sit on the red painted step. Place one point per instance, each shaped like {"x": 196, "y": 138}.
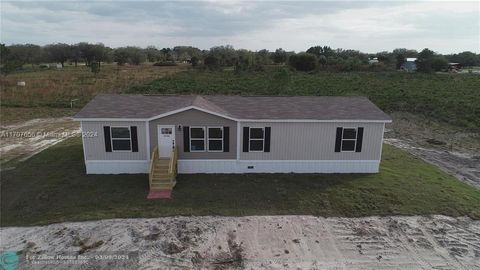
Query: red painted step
{"x": 160, "y": 194}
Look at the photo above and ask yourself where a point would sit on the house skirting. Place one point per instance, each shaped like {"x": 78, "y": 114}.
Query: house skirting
{"x": 117, "y": 166}
{"x": 192, "y": 166}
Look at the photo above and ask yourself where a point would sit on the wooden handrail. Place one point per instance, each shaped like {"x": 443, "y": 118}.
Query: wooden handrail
{"x": 152, "y": 165}
{"x": 172, "y": 168}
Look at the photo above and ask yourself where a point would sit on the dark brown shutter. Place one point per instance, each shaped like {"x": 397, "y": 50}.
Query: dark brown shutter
{"x": 338, "y": 139}
{"x": 267, "y": 139}
{"x": 359, "y": 139}
{"x": 226, "y": 139}
{"x": 246, "y": 134}
{"x": 186, "y": 139}
{"x": 108, "y": 142}
{"x": 133, "y": 135}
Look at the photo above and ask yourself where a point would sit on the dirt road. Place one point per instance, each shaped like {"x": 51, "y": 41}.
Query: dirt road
{"x": 25, "y": 139}
{"x": 278, "y": 242}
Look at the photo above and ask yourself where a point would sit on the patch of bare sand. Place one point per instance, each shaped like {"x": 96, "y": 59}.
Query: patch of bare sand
{"x": 260, "y": 242}
{"x": 25, "y": 139}
{"x": 451, "y": 149}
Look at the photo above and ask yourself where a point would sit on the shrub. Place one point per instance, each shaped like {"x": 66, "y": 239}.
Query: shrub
{"x": 165, "y": 64}
{"x": 439, "y": 63}
{"x": 194, "y": 60}
{"x": 211, "y": 62}
{"x": 303, "y": 61}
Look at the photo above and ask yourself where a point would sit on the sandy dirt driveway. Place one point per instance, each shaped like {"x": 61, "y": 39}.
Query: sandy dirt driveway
{"x": 257, "y": 242}
{"x": 25, "y": 139}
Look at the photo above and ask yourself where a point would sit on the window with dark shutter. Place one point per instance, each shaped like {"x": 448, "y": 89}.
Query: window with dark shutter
{"x": 186, "y": 139}
{"x": 108, "y": 142}
{"x": 133, "y": 131}
{"x": 338, "y": 139}
{"x": 349, "y": 139}
{"x": 268, "y": 131}
{"x": 226, "y": 139}
{"x": 246, "y": 132}
{"x": 359, "y": 140}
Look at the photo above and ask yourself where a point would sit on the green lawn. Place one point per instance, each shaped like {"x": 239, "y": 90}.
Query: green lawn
{"x": 451, "y": 98}
{"x": 52, "y": 187}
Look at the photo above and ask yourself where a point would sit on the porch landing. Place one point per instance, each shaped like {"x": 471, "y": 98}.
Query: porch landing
{"x": 160, "y": 194}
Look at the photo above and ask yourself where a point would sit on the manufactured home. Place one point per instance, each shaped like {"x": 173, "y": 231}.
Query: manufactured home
{"x": 410, "y": 64}
{"x": 231, "y": 134}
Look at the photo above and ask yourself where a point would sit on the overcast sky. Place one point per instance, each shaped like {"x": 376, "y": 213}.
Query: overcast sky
{"x": 445, "y": 27}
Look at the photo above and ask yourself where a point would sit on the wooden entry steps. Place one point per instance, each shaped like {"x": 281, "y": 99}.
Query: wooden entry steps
{"x": 163, "y": 172}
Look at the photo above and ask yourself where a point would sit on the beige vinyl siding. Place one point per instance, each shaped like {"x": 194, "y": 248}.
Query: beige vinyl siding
{"x": 95, "y": 146}
{"x": 190, "y": 118}
{"x": 314, "y": 141}
{"x": 289, "y": 141}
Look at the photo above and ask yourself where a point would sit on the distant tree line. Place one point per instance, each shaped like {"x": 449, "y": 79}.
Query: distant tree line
{"x": 15, "y": 57}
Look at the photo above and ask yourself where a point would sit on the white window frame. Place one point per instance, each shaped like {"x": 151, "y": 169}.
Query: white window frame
{"x": 250, "y": 139}
{"x": 130, "y": 139}
{"x": 354, "y": 140}
{"x": 214, "y": 139}
{"x": 204, "y": 139}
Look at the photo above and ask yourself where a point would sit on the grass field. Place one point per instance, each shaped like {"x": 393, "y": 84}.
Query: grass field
{"x": 52, "y": 187}
{"x": 57, "y": 87}
{"x": 452, "y": 98}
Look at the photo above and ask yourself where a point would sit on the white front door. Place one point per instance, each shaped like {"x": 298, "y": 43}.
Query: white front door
{"x": 166, "y": 140}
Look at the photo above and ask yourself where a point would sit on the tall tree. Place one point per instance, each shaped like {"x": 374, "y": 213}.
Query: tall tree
{"x": 152, "y": 54}
{"x": 194, "y": 61}
{"x": 226, "y": 55}
{"x": 246, "y": 60}
{"x": 184, "y": 53}
{"x": 92, "y": 52}
{"x": 58, "y": 53}
{"x": 466, "y": 58}
{"x": 9, "y": 61}
{"x": 424, "y": 61}
{"x": 27, "y": 53}
{"x": 279, "y": 56}
{"x": 400, "y": 60}
{"x": 405, "y": 52}
{"x": 167, "y": 54}
{"x": 263, "y": 57}
{"x": 303, "y": 61}
{"x": 75, "y": 54}
{"x": 121, "y": 56}
{"x": 439, "y": 63}
{"x": 136, "y": 55}
{"x": 211, "y": 62}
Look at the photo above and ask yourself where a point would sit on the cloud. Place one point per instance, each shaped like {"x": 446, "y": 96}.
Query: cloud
{"x": 442, "y": 27}
{"x": 230, "y": 7}
{"x": 367, "y": 26}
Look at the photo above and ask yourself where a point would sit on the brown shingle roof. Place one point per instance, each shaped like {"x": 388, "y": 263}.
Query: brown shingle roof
{"x": 239, "y": 107}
